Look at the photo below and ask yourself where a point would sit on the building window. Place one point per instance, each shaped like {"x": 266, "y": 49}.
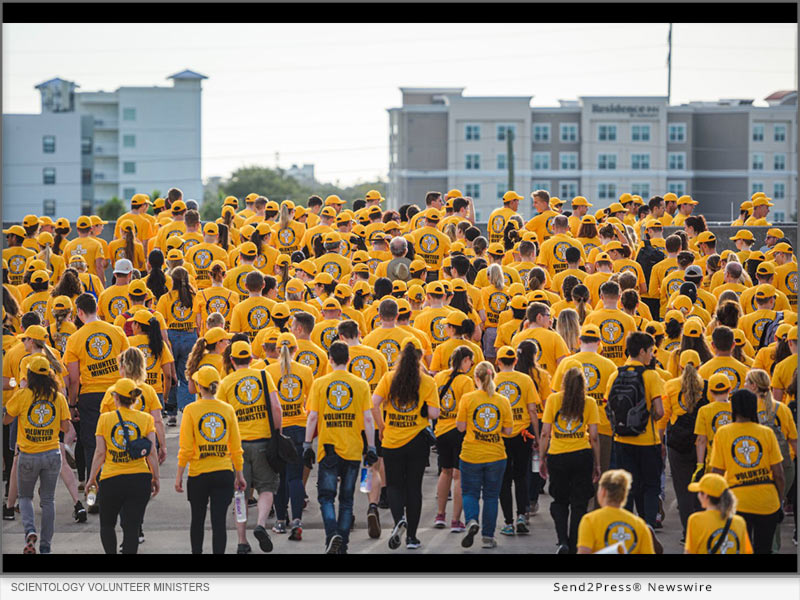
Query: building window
{"x": 501, "y": 132}
{"x": 676, "y": 161}
{"x": 757, "y": 187}
{"x": 130, "y": 167}
{"x": 779, "y": 216}
{"x": 569, "y": 132}
{"x": 473, "y": 161}
{"x": 541, "y": 185}
{"x": 780, "y": 133}
{"x": 607, "y": 191}
{"x": 49, "y": 208}
{"x": 129, "y": 140}
{"x": 640, "y": 133}
{"x": 472, "y": 132}
{"x": 49, "y": 175}
{"x": 607, "y": 161}
{"x": 541, "y": 161}
{"x": 779, "y": 191}
{"x": 568, "y": 161}
{"x": 677, "y": 132}
{"x": 86, "y": 176}
{"x": 501, "y": 161}
{"x": 607, "y": 133}
{"x": 758, "y": 133}
{"x": 568, "y": 190}
{"x": 128, "y": 193}
{"x": 640, "y": 189}
{"x": 128, "y": 114}
{"x": 501, "y": 190}
{"x": 758, "y": 162}
{"x": 86, "y": 145}
{"x": 640, "y": 162}
{"x": 677, "y": 187}
{"x": 541, "y": 133}
{"x": 49, "y": 144}
{"x": 473, "y": 190}
{"x": 780, "y": 162}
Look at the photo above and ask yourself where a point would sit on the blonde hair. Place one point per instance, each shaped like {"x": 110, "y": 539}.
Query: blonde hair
{"x": 450, "y": 231}
{"x": 568, "y": 327}
{"x": 45, "y": 255}
{"x": 484, "y": 374}
{"x": 215, "y": 319}
{"x": 691, "y": 387}
{"x": 285, "y": 216}
{"x": 761, "y": 380}
{"x": 495, "y": 276}
{"x": 725, "y": 504}
{"x": 55, "y": 364}
{"x": 212, "y": 389}
{"x": 132, "y": 365}
{"x": 616, "y": 483}
{"x": 285, "y": 359}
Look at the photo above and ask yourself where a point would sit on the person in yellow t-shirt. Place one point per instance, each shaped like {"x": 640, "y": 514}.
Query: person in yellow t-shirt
{"x": 254, "y": 314}
{"x": 388, "y": 337}
{"x": 784, "y": 376}
{"x": 404, "y": 401}
{"x": 430, "y": 244}
{"x": 499, "y": 217}
{"x": 615, "y": 325}
{"x": 552, "y": 255}
{"x": 41, "y": 412}
{"x": 126, "y": 483}
{"x": 542, "y": 223}
{"x": 452, "y": 384}
{"x": 519, "y": 390}
{"x": 339, "y": 408}
{"x": 710, "y": 418}
{"x": 722, "y": 340}
{"x": 308, "y": 353}
{"x": 215, "y": 298}
{"x": 572, "y": 450}
{"x": 611, "y": 524}
{"x": 747, "y": 455}
{"x": 210, "y": 442}
{"x": 252, "y": 393}
{"x": 485, "y": 416}
{"x": 87, "y": 247}
{"x": 706, "y": 527}
{"x": 201, "y": 256}
{"x": 551, "y": 346}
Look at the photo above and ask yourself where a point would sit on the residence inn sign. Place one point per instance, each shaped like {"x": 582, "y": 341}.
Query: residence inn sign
{"x": 646, "y": 111}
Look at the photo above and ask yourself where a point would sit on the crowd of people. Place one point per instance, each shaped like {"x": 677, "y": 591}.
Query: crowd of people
{"x": 578, "y": 354}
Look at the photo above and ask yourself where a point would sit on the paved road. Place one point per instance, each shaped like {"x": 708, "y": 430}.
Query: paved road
{"x": 166, "y": 525}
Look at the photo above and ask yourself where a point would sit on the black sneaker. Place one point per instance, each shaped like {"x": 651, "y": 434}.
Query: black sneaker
{"x": 394, "y": 539}
{"x": 263, "y": 538}
{"x": 296, "y": 533}
{"x": 93, "y": 509}
{"x": 562, "y": 549}
{"x": 243, "y": 549}
{"x": 472, "y": 531}
{"x": 412, "y": 543}
{"x": 373, "y": 522}
{"x": 658, "y": 525}
{"x": 334, "y": 544}
{"x": 353, "y": 523}
{"x": 271, "y": 510}
{"x": 8, "y": 513}
{"x": 172, "y": 421}
{"x": 79, "y": 513}
{"x": 141, "y": 535}
{"x": 254, "y": 502}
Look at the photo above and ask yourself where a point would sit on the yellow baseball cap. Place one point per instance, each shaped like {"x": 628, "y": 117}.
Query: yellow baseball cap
{"x": 746, "y": 205}
{"x": 97, "y": 220}
{"x": 295, "y": 286}
{"x": 682, "y": 302}
{"x": 712, "y": 484}
{"x": 738, "y": 337}
{"x": 62, "y": 303}
{"x": 615, "y": 208}
{"x": 458, "y": 285}
{"x": 686, "y": 200}
{"x": 774, "y": 232}
{"x": 343, "y": 291}
{"x": 210, "y": 229}
{"x": 248, "y": 249}
{"x": 782, "y": 331}
{"x": 588, "y": 219}
{"x": 331, "y": 304}
{"x": 432, "y": 215}
{"x": 128, "y": 225}
{"x": 782, "y": 247}
{"x": 363, "y": 288}
{"x": 603, "y": 257}
{"x": 670, "y": 197}
{"x": 590, "y": 331}
{"x": 287, "y": 339}
{"x": 719, "y": 383}
{"x": 83, "y": 222}
{"x": 690, "y": 356}
{"x": 511, "y": 195}
{"x": 506, "y": 352}
{"x": 206, "y": 375}
{"x": 792, "y": 335}
{"x": 159, "y": 203}
{"x": 174, "y": 254}
{"x": 674, "y": 315}
{"x": 174, "y": 241}
{"x": 280, "y": 310}
{"x": 757, "y": 195}
{"x": 214, "y": 335}
{"x": 625, "y": 198}
{"x": 580, "y": 201}
{"x": 45, "y": 238}
{"x": 15, "y": 230}
{"x": 241, "y": 349}
{"x": 39, "y": 365}
{"x": 497, "y": 249}
{"x": 333, "y": 199}
{"x": 178, "y": 206}
{"x": 143, "y": 316}
{"x": 323, "y": 279}
{"x": 124, "y": 387}
{"x": 435, "y": 287}
{"x": 34, "y": 332}
{"x": 140, "y": 199}
{"x": 415, "y": 293}
{"x": 306, "y": 266}
{"x": 40, "y": 277}
{"x": 454, "y": 193}
{"x": 657, "y": 327}
{"x": 743, "y": 234}
{"x": 399, "y": 286}
{"x": 414, "y": 341}
{"x": 706, "y": 236}
{"x": 762, "y": 201}
{"x": 417, "y": 265}
{"x": 765, "y": 291}
{"x": 137, "y": 287}
{"x": 518, "y": 302}
{"x": 765, "y": 268}
{"x": 374, "y": 195}
{"x": 30, "y": 221}
{"x": 456, "y": 318}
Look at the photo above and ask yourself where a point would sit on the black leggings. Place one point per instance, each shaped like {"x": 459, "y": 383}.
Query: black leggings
{"x": 405, "y": 467}
{"x": 80, "y": 458}
{"x": 571, "y": 488}
{"x": 518, "y": 464}
{"x": 217, "y": 487}
{"x": 761, "y": 529}
{"x": 130, "y": 493}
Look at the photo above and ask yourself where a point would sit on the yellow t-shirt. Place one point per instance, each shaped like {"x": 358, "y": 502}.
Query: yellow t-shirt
{"x": 520, "y": 392}
{"x": 728, "y": 365}
{"x": 609, "y": 525}
{"x": 552, "y": 346}
{"x": 88, "y": 248}
{"x": 335, "y": 265}
{"x": 746, "y": 453}
{"x": 569, "y": 435}
{"x": 709, "y": 419}
{"x": 404, "y": 424}
{"x": 38, "y": 420}
{"x": 16, "y": 258}
{"x": 155, "y": 366}
{"x": 431, "y": 322}
{"x": 597, "y": 370}
{"x": 113, "y": 302}
{"x": 368, "y": 364}
{"x": 495, "y": 302}
{"x": 340, "y": 399}
{"x": 387, "y": 341}
{"x": 704, "y": 528}
{"x": 441, "y": 356}
{"x": 449, "y": 401}
{"x": 497, "y": 223}
{"x": 288, "y": 240}
{"x": 118, "y": 462}
{"x": 552, "y": 254}
{"x": 486, "y": 416}
{"x": 251, "y": 316}
{"x": 614, "y": 327}
{"x": 431, "y": 246}
{"x": 783, "y": 419}
{"x": 292, "y": 391}
{"x": 653, "y": 388}
{"x": 312, "y": 356}
{"x": 96, "y": 346}
{"x": 235, "y": 278}
{"x": 243, "y": 389}
{"x": 325, "y": 333}
{"x": 215, "y": 299}
{"x": 210, "y": 439}
{"x": 177, "y": 316}
{"x": 783, "y": 375}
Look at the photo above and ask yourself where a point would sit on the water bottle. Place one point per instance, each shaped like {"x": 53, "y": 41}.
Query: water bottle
{"x": 366, "y": 480}
{"x": 240, "y": 506}
{"x": 535, "y": 463}
{"x": 91, "y": 495}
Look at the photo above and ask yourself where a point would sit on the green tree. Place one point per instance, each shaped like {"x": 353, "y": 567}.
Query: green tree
{"x": 111, "y": 210}
{"x": 260, "y": 180}
{"x": 211, "y": 208}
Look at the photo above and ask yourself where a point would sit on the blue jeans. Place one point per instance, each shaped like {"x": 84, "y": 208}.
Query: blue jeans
{"x": 331, "y": 468}
{"x": 44, "y": 467}
{"x": 485, "y": 477}
{"x": 182, "y": 343}
{"x": 291, "y": 486}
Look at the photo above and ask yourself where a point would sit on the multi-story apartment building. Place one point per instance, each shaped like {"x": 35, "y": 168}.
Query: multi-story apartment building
{"x": 599, "y": 147}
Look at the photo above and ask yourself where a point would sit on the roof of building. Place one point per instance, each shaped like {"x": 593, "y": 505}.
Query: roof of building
{"x": 56, "y": 80}
{"x": 780, "y": 95}
{"x": 187, "y": 74}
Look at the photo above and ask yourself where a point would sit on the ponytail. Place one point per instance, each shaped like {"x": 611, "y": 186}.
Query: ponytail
{"x": 761, "y": 380}
{"x": 285, "y": 216}
{"x": 60, "y": 316}
{"x": 574, "y": 398}
{"x": 404, "y": 390}
{"x": 61, "y": 233}
{"x": 180, "y": 284}
{"x": 691, "y": 387}
{"x": 45, "y": 255}
{"x": 55, "y": 364}
{"x": 127, "y": 401}
{"x": 212, "y": 388}
{"x": 199, "y": 350}
{"x": 156, "y": 280}
{"x": 217, "y": 273}
{"x": 484, "y": 373}
{"x": 223, "y": 239}
{"x": 285, "y": 360}
{"x": 725, "y": 504}
{"x": 130, "y": 246}
{"x": 155, "y": 341}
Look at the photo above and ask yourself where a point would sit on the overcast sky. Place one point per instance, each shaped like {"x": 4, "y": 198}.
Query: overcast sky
{"x": 317, "y": 93}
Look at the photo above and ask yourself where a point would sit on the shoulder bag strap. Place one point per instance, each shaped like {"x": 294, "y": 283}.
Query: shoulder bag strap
{"x": 268, "y": 402}
{"x": 446, "y": 387}
{"x": 722, "y": 536}
{"x": 124, "y": 429}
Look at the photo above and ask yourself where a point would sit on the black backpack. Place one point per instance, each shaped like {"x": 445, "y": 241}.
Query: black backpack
{"x": 768, "y": 334}
{"x": 648, "y": 257}
{"x": 680, "y": 434}
{"x": 627, "y": 405}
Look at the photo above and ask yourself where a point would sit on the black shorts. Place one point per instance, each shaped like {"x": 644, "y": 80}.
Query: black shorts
{"x": 448, "y": 446}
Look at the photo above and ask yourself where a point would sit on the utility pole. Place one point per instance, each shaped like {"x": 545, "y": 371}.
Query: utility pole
{"x": 510, "y": 157}
{"x": 669, "y": 65}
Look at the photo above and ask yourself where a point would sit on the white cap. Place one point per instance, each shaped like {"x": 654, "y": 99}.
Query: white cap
{"x": 123, "y": 266}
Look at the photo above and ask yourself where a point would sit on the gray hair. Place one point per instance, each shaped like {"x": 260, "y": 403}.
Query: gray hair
{"x": 398, "y": 246}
